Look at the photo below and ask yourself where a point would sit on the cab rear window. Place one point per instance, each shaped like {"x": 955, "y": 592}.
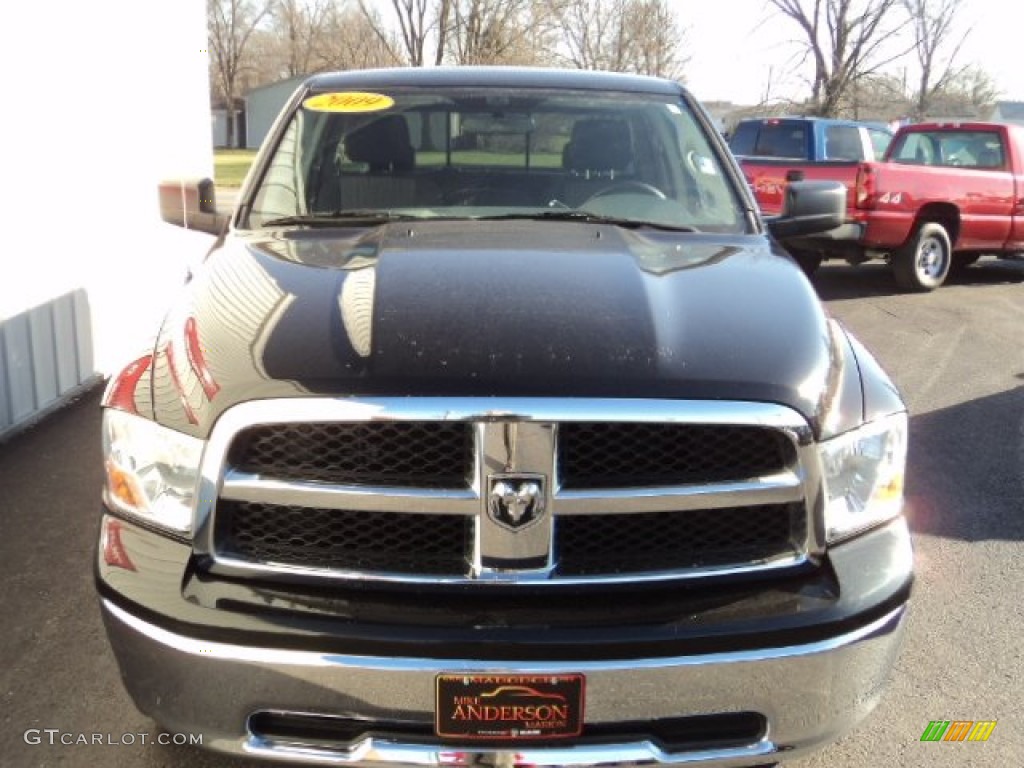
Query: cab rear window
{"x": 771, "y": 138}
{"x": 966, "y": 149}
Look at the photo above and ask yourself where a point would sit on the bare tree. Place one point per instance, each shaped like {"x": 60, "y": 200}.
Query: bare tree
{"x": 847, "y": 40}
{"x": 419, "y": 21}
{"x": 266, "y": 59}
{"x": 640, "y": 36}
{"x": 971, "y": 93}
{"x": 355, "y": 40}
{"x": 300, "y": 26}
{"x": 880, "y": 97}
{"x": 444, "y": 9}
{"x": 487, "y": 31}
{"x": 523, "y": 32}
{"x": 654, "y": 37}
{"x": 936, "y": 46}
{"x": 546, "y": 32}
{"x": 231, "y": 24}
{"x": 592, "y": 32}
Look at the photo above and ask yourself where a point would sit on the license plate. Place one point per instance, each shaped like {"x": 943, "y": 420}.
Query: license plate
{"x": 509, "y": 707}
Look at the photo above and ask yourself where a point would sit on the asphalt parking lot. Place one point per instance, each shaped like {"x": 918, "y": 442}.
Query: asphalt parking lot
{"x": 958, "y": 356}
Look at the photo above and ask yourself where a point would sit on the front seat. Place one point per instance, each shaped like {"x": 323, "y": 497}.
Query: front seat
{"x": 990, "y": 157}
{"x": 599, "y": 151}
{"x": 383, "y": 145}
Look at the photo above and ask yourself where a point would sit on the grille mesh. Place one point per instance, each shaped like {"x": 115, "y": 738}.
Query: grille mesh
{"x": 623, "y": 455}
{"x": 656, "y": 541}
{"x": 431, "y": 455}
{"x": 344, "y": 539}
{"x": 409, "y": 454}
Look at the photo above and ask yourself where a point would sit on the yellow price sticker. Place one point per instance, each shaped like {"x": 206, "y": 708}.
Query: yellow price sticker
{"x": 352, "y": 101}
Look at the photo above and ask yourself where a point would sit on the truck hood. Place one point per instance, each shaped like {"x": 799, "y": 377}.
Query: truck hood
{"x": 520, "y": 308}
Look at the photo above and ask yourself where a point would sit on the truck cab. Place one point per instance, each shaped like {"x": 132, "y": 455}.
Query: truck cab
{"x": 809, "y": 139}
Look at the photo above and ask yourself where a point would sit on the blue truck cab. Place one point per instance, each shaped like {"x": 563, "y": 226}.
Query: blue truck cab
{"x": 811, "y": 139}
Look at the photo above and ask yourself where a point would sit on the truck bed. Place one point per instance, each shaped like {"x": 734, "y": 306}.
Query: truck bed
{"x": 768, "y": 177}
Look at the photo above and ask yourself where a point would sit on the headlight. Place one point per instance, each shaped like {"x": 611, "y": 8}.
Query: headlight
{"x": 863, "y": 472}
{"x": 152, "y": 471}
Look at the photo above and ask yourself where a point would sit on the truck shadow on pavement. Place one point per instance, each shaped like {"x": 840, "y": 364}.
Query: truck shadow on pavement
{"x": 838, "y": 280}
{"x": 965, "y": 474}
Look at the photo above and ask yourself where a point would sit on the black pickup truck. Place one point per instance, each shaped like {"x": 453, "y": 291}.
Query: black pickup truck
{"x": 497, "y": 429}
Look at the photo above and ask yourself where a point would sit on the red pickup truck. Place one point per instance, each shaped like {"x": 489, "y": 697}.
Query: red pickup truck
{"x": 777, "y": 150}
{"x": 945, "y": 194}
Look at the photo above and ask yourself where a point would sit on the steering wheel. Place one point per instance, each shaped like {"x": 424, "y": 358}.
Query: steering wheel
{"x": 630, "y": 185}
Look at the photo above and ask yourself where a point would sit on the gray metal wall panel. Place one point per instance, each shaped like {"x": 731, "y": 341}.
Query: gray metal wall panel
{"x": 18, "y": 365}
{"x": 262, "y": 105}
{"x": 66, "y": 343}
{"x": 83, "y": 333}
{"x": 219, "y": 128}
{"x": 44, "y": 361}
{"x": 5, "y": 407}
{"x": 45, "y": 352}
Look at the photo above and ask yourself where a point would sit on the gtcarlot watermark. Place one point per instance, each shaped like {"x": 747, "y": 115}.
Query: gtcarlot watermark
{"x": 56, "y": 737}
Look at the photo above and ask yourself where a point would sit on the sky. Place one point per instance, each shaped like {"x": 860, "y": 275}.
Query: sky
{"x": 734, "y": 44}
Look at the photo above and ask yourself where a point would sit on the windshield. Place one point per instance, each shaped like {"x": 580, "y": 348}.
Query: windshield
{"x": 496, "y": 153}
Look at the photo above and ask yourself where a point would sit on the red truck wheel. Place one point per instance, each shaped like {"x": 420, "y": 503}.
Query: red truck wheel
{"x": 923, "y": 263}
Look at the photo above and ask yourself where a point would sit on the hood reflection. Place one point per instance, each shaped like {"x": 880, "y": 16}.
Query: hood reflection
{"x": 462, "y": 308}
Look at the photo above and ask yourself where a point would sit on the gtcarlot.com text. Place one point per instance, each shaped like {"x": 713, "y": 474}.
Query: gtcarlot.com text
{"x": 55, "y": 737}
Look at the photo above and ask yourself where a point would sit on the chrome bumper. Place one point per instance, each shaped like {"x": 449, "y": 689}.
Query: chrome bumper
{"x": 809, "y": 695}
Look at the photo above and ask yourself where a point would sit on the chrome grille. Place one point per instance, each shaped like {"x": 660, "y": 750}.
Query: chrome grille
{"x": 396, "y": 490}
{"x": 616, "y": 455}
{"x": 345, "y": 539}
{"x": 662, "y": 541}
{"x": 418, "y": 455}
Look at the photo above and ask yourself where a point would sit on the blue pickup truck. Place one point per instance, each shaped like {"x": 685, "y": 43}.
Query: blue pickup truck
{"x": 809, "y": 139}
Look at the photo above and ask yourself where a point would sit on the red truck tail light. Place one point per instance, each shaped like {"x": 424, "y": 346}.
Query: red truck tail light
{"x": 866, "y": 191}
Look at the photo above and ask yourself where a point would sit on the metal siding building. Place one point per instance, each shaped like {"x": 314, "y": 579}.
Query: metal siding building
{"x": 262, "y": 106}
{"x": 219, "y": 126}
{"x": 45, "y": 356}
{"x": 1008, "y": 112}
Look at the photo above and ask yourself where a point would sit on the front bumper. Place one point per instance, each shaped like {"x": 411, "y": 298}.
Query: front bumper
{"x": 809, "y": 694}
{"x": 807, "y": 689}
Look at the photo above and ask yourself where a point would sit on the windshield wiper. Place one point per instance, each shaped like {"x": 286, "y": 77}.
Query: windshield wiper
{"x": 589, "y": 218}
{"x": 355, "y": 216}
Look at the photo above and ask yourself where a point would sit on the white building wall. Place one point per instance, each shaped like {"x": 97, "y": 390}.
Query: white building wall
{"x": 113, "y": 96}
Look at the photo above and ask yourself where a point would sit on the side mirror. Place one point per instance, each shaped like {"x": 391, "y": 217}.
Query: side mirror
{"x": 190, "y": 203}
{"x": 810, "y": 208}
